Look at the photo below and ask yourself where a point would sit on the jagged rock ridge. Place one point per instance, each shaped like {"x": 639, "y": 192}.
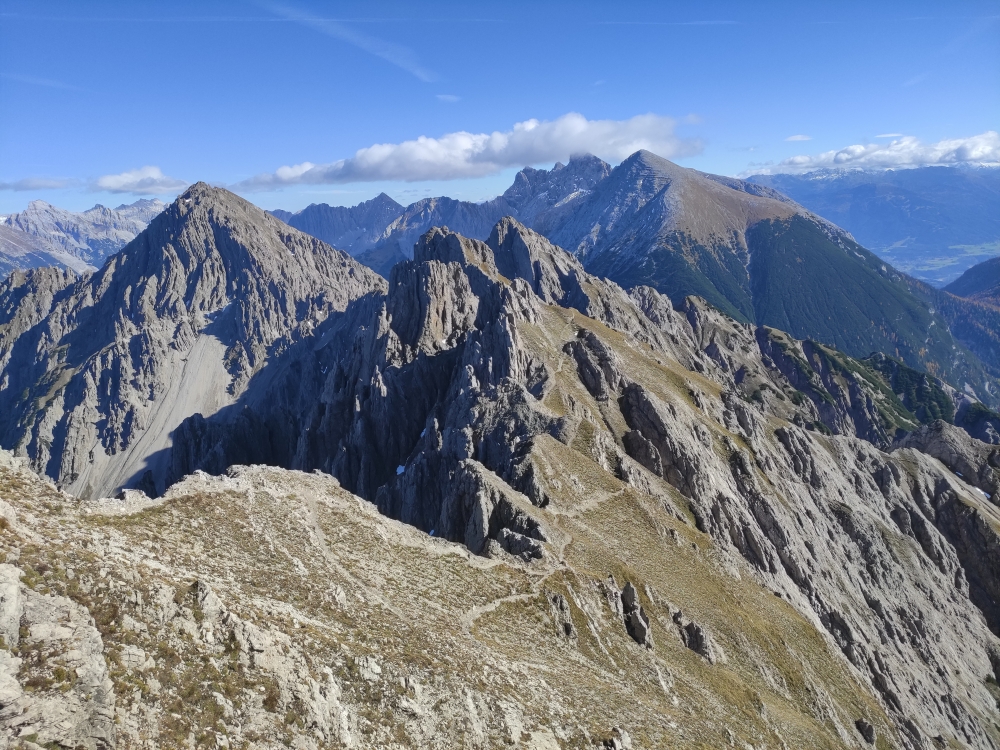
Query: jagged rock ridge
{"x": 746, "y": 248}
{"x": 521, "y": 390}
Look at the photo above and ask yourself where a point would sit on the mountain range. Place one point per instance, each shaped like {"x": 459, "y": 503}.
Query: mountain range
{"x": 381, "y": 233}
{"x": 747, "y": 249}
{"x": 496, "y": 499}
{"x": 43, "y": 235}
{"x": 933, "y": 223}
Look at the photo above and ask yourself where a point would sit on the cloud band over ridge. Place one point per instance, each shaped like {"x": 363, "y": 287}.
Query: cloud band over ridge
{"x": 902, "y": 152}
{"x": 464, "y": 155}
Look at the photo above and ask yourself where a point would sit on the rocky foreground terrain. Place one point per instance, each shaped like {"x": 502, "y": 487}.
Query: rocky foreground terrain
{"x": 272, "y": 608}
{"x": 497, "y": 501}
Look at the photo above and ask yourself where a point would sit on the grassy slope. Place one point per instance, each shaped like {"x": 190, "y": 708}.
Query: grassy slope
{"x": 806, "y": 284}
{"x": 679, "y": 268}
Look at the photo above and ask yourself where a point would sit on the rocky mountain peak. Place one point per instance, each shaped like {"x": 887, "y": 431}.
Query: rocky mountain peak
{"x": 174, "y": 324}
{"x": 385, "y": 200}
{"x": 537, "y": 191}
{"x": 522, "y": 253}
{"x": 441, "y": 244}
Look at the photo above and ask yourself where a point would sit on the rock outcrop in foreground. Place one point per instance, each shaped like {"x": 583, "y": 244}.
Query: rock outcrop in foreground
{"x": 269, "y": 608}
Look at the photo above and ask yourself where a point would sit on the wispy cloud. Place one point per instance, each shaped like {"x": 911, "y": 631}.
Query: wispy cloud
{"x": 903, "y": 152}
{"x": 36, "y": 183}
{"x": 799, "y": 138}
{"x": 396, "y": 54}
{"x": 450, "y": 98}
{"x": 669, "y": 23}
{"x": 889, "y": 135}
{"x": 43, "y": 82}
{"x": 143, "y": 181}
{"x": 463, "y": 155}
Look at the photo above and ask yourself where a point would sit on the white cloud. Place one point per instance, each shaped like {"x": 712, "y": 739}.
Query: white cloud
{"x": 464, "y": 155}
{"x": 36, "y": 183}
{"x": 799, "y": 138}
{"x": 889, "y": 135}
{"x": 144, "y": 181}
{"x": 450, "y": 98}
{"x": 900, "y": 153}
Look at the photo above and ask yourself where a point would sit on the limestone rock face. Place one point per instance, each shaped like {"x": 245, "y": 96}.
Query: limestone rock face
{"x": 98, "y": 371}
{"x": 976, "y": 462}
{"x": 497, "y": 384}
{"x": 54, "y": 682}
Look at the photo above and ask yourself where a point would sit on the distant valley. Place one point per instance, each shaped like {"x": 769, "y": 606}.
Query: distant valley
{"x": 930, "y": 222}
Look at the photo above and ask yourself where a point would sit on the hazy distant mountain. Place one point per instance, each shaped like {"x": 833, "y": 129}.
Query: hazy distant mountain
{"x": 380, "y": 232}
{"x": 44, "y": 235}
{"x": 931, "y": 222}
{"x": 470, "y": 219}
{"x": 540, "y": 192}
{"x": 20, "y": 250}
{"x": 351, "y": 229}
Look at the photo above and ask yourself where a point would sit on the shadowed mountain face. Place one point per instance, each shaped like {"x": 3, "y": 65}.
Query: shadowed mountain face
{"x": 98, "y": 371}
{"x": 980, "y": 283}
{"x": 932, "y": 222}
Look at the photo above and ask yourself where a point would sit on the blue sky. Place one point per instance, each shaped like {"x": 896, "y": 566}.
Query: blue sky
{"x": 230, "y": 93}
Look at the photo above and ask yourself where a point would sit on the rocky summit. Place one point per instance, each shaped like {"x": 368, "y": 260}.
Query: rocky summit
{"x": 497, "y": 500}
{"x": 98, "y": 370}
